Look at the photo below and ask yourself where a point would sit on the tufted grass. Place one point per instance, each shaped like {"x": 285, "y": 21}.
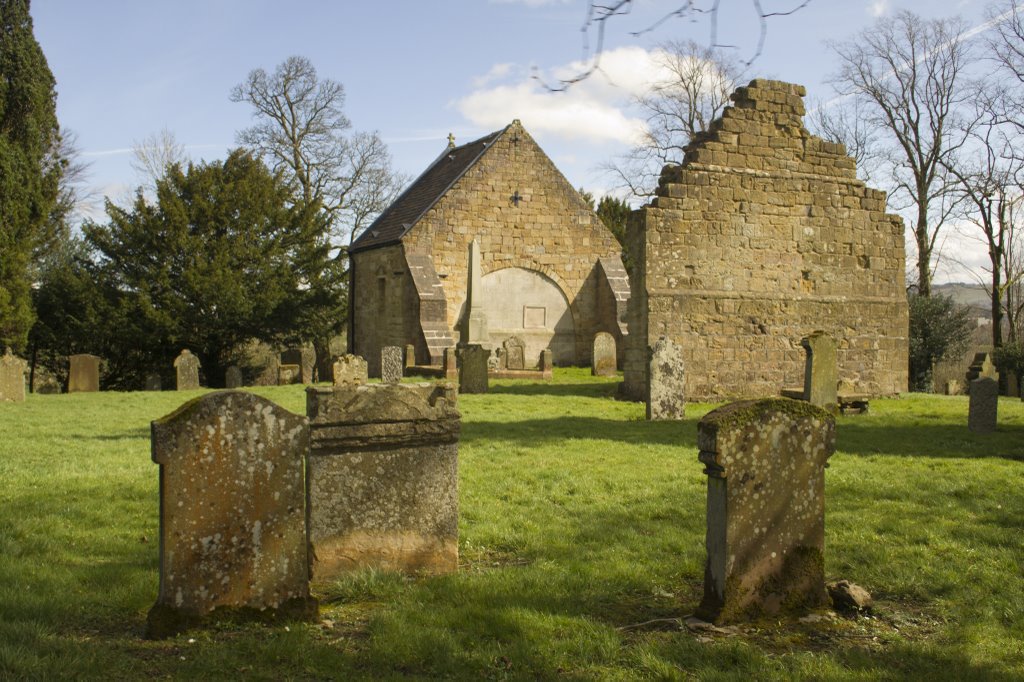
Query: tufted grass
{"x": 581, "y": 541}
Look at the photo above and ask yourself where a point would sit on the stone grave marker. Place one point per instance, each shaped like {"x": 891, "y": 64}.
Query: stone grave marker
{"x": 984, "y": 405}
{"x": 765, "y": 461}
{"x": 187, "y": 367}
{"x": 289, "y": 374}
{"x": 350, "y": 369}
{"x": 547, "y": 362}
{"x": 981, "y": 366}
{"x": 233, "y": 377}
{"x": 12, "y": 377}
{"x": 515, "y": 353}
{"x": 666, "y": 382}
{"x": 952, "y": 387}
{"x": 304, "y": 359}
{"x": 232, "y": 512}
{"x": 83, "y": 373}
{"x": 451, "y": 366}
{"x": 391, "y": 366}
{"x": 473, "y": 369}
{"x": 410, "y": 355}
{"x": 820, "y": 371}
{"x": 154, "y": 382}
{"x": 383, "y": 478}
{"x": 604, "y": 362}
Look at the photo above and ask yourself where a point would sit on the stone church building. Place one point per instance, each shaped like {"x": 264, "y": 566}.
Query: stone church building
{"x": 550, "y": 272}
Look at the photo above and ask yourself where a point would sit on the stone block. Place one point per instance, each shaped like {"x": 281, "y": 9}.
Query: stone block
{"x": 83, "y": 373}
{"x": 391, "y": 365}
{"x": 383, "y": 478}
{"x": 666, "y": 382}
{"x": 473, "y": 369}
{"x": 984, "y": 405}
{"x": 603, "y": 361}
{"x": 350, "y": 370}
{"x": 304, "y": 359}
{"x": 232, "y": 512}
{"x": 289, "y": 374}
{"x": 233, "y": 377}
{"x": 450, "y": 365}
{"x": 765, "y": 461}
{"x": 12, "y": 377}
{"x": 186, "y": 366}
{"x": 821, "y": 375}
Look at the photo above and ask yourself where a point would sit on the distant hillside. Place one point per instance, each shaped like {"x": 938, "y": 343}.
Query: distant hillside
{"x": 973, "y": 295}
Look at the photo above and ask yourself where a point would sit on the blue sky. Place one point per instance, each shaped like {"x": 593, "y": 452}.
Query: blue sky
{"x": 412, "y": 70}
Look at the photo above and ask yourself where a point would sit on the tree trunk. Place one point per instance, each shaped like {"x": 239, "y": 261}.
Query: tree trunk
{"x": 924, "y": 254}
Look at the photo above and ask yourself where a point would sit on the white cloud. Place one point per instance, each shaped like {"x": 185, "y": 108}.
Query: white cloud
{"x": 877, "y": 8}
{"x": 497, "y": 72}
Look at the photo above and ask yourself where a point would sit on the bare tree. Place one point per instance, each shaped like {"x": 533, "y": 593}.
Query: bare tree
{"x": 154, "y": 154}
{"x": 692, "y": 89}
{"x": 911, "y": 75}
{"x": 845, "y": 123}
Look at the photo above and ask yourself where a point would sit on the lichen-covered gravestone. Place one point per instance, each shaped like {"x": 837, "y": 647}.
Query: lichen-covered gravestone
{"x": 666, "y": 382}
{"x": 232, "y": 512}
{"x": 187, "y": 367}
{"x": 765, "y": 461}
{"x": 603, "y": 362}
{"x": 391, "y": 365}
{"x": 350, "y": 369}
{"x": 154, "y": 382}
{"x": 83, "y": 373}
{"x": 383, "y": 478}
{"x": 473, "y": 369}
{"x": 984, "y": 405}
{"x": 233, "y": 377}
{"x": 451, "y": 365}
{"x": 820, "y": 371}
{"x": 12, "y": 377}
{"x": 515, "y": 353}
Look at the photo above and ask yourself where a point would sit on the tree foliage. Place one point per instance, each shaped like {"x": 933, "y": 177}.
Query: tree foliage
{"x": 30, "y": 168}
{"x": 939, "y": 329}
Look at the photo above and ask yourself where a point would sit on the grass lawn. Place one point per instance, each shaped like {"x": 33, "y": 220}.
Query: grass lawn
{"x": 582, "y": 543}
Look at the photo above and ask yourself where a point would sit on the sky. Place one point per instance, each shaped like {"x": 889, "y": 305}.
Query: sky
{"x": 413, "y": 70}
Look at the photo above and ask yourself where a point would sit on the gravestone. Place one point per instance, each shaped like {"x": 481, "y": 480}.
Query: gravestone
{"x": 12, "y": 377}
{"x": 547, "y": 362}
{"x": 515, "y": 353}
{"x": 981, "y": 366}
{"x": 952, "y": 387}
{"x": 304, "y": 359}
{"x": 765, "y": 461}
{"x": 984, "y": 405}
{"x": 451, "y": 366}
{"x": 187, "y": 366}
{"x": 383, "y": 478}
{"x": 474, "y": 329}
{"x": 603, "y": 361}
{"x": 154, "y": 382}
{"x": 289, "y": 374}
{"x": 350, "y": 369}
{"x": 391, "y": 366}
{"x": 410, "y": 355}
{"x": 473, "y": 369}
{"x": 820, "y": 371}
{"x": 233, "y": 377}
{"x": 83, "y": 373}
{"x": 666, "y": 382}
{"x": 232, "y": 512}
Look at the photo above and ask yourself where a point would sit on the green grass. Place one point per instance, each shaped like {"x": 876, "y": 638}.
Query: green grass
{"x": 581, "y": 539}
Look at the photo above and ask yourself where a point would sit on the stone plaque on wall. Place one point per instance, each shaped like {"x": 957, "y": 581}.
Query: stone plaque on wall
{"x": 534, "y": 317}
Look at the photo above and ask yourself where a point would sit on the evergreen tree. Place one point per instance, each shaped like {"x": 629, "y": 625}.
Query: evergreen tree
{"x": 30, "y": 168}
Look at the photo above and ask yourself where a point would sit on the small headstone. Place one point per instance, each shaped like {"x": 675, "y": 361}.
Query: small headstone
{"x": 304, "y": 359}
{"x": 350, "y": 370}
{"x": 451, "y": 366}
{"x": 232, "y": 512}
{"x": 187, "y": 367}
{"x": 984, "y": 405}
{"x": 83, "y": 373}
{"x": 289, "y": 374}
{"x": 515, "y": 353}
{"x": 547, "y": 362}
{"x": 765, "y": 461}
{"x": 391, "y": 366}
{"x": 410, "y": 355}
{"x": 383, "y": 478}
{"x": 12, "y": 377}
{"x": 154, "y": 382}
{"x": 820, "y": 371}
{"x": 604, "y": 362}
{"x": 666, "y": 382}
{"x": 952, "y": 387}
{"x": 473, "y": 369}
{"x": 233, "y": 377}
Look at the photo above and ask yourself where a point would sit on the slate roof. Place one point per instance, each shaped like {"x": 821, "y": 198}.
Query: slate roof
{"x": 398, "y": 218}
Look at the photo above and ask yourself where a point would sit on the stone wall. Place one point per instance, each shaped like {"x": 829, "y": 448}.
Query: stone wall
{"x": 385, "y": 308}
{"x": 762, "y": 236}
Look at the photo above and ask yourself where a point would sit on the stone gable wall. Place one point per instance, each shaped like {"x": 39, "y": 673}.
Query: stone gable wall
{"x": 762, "y": 236}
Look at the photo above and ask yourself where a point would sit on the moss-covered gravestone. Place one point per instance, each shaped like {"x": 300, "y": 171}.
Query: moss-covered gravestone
{"x": 12, "y": 377}
{"x": 821, "y": 376}
{"x": 350, "y": 369}
{"x": 186, "y": 367}
{"x": 232, "y": 512}
{"x": 765, "y": 462}
{"x": 473, "y": 368}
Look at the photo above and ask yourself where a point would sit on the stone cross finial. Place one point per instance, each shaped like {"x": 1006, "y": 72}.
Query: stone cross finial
{"x": 451, "y": 141}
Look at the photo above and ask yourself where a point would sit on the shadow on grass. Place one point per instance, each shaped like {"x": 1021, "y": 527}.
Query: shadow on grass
{"x": 932, "y": 440}
{"x": 596, "y": 389}
{"x": 533, "y": 432}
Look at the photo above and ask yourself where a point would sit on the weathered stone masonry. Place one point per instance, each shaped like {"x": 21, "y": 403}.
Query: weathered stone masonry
{"x": 762, "y": 236}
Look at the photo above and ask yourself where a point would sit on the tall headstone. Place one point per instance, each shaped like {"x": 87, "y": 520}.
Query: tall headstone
{"x": 383, "y": 478}
{"x": 765, "y": 461}
{"x": 391, "y": 365}
{"x": 410, "y": 355}
{"x": 350, "y": 369}
{"x": 603, "y": 362}
{"x": 666, "y": 382}
{"x": 12, "y": 377}
{"x": 475, "y": 331}
{"x": 233, "y": 377}
{"x": 547, "y": 363}
{"x": 473, "y": 369}
{"x": 515, "y": 353}
{"x": 450, "y": 364}
{"x": 187, "y": 367}
{"x": 83, "y": 373}
{"x": 820, "y": 371}
{"x": 154, "y": 382}
{"x": 232, "y": 512}
{"x": 984, "y": 405}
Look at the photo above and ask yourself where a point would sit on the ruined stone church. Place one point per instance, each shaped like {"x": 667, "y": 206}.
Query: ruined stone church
{"x": 550, "y": 272}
